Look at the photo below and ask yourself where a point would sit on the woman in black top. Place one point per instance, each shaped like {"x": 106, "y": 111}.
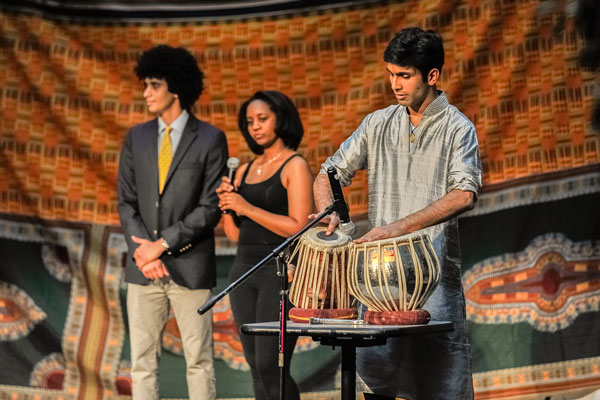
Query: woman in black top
{"x": 273, "y": 198}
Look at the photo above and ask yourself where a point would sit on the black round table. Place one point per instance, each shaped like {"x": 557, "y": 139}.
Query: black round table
{"x": 348, "y": 336}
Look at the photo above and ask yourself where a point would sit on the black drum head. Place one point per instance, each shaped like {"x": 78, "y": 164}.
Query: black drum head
{"x": 322, "y": 235}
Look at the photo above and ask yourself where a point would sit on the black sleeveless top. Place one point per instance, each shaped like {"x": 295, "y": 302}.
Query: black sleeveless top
{"x": 269, "y": 195}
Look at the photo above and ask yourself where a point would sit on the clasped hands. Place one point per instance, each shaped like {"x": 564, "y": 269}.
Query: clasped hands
{"x": 146, "y": 258}
{"x": 229, "y": 199}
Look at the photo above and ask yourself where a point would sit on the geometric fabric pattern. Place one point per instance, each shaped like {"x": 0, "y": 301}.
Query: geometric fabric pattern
{"x": 532, "y": 287}
{"x": 93, "y": 333}
{"x": 68, "y": 93}
{"x": 573, "y": 377}
{"x": 18, "y": 313}
{"x": 537, "y": 189}
{"x": 49, "y": 373}
{"x": 547, "y": 285}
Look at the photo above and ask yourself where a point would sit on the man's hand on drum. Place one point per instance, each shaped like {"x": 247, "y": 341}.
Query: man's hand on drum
{"x": 381, "y": 232}
{"x": 332, "y": 221}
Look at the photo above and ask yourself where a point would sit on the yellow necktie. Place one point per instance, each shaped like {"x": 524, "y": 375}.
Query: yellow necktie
{"x": 165, "y": 156}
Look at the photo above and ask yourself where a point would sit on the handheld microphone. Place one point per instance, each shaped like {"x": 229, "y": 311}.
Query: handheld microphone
{"x": 346, "y": 225}
{"x": 232, "y": 163}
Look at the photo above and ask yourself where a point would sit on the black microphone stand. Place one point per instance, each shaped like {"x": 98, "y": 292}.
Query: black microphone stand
{"x": 279, "y": 255}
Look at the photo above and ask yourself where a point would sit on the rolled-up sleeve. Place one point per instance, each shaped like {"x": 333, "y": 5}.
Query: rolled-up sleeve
{"x": 465, "y": 170}
{"x": 351, "y": 156}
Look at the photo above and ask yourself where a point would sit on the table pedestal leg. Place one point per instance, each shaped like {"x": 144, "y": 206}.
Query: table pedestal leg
{"x": 348, "y": 372}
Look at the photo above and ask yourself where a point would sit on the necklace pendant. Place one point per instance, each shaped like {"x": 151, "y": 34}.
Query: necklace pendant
{"x": 259, "y": 169}
{"x": 411, "y": 137}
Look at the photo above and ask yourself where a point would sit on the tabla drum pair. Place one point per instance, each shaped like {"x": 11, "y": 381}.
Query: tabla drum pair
{"x": 392, "y": 277}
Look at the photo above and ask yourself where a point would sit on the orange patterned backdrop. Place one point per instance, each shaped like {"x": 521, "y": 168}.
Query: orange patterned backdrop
{"x": 68, "y": 93}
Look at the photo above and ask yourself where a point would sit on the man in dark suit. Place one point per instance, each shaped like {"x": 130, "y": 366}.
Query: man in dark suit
{"x": 169, "y": 170}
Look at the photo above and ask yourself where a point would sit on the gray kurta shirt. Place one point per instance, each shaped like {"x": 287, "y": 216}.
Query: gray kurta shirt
{"x": 404, "y": 178}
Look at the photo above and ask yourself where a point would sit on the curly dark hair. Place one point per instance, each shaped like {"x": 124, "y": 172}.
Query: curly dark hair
{"x": 288, "y": 125}
{"x": 178, "y": 67}
{"x": 414, "y": 47}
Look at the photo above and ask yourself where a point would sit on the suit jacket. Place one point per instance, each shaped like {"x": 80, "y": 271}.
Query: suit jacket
{"x": 186, "y": 213}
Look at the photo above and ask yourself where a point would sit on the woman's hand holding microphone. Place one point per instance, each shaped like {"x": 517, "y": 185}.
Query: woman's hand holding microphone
{"x": 229, "y": 199}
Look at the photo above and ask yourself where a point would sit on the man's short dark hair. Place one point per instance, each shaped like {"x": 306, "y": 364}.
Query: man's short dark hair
{"x": 178, "y": 67}
{"x": 288, "y": 124}
{"x": 414, "y": 47}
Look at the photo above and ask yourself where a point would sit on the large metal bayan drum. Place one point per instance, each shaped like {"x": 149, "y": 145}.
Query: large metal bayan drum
{"x": 394, "y": 278}
{"x": 319, "y": 288}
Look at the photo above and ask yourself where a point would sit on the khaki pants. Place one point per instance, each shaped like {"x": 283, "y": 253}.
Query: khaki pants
{"x": 148, "y": 309}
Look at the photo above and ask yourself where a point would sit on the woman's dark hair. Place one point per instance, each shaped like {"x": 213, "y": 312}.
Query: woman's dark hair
{"x": 288, "y": 125}
{"x": 414, "y": 47}
{"x": 178, "y": 67}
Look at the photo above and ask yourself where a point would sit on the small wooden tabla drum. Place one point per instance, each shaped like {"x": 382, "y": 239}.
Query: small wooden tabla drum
{"x": 394, "y": 278}
{"x": 319, "y": 288}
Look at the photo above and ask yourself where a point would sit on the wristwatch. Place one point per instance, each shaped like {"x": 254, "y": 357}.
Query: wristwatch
{"x": 165, "y": 244}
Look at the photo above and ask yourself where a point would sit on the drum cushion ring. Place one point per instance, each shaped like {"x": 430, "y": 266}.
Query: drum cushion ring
{"x": 415, "y": 317}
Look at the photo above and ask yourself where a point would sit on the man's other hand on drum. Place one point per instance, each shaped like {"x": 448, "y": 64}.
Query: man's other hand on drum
{"x": 332, "y": 220}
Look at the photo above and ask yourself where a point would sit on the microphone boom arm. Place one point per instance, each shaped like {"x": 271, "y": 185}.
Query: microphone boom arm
{"x": 278, "y": 251}
{"x": 346, "y": 225}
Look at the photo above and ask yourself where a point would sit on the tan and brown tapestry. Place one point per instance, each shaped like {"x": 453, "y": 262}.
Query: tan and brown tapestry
{"x": 68, "y": 94}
